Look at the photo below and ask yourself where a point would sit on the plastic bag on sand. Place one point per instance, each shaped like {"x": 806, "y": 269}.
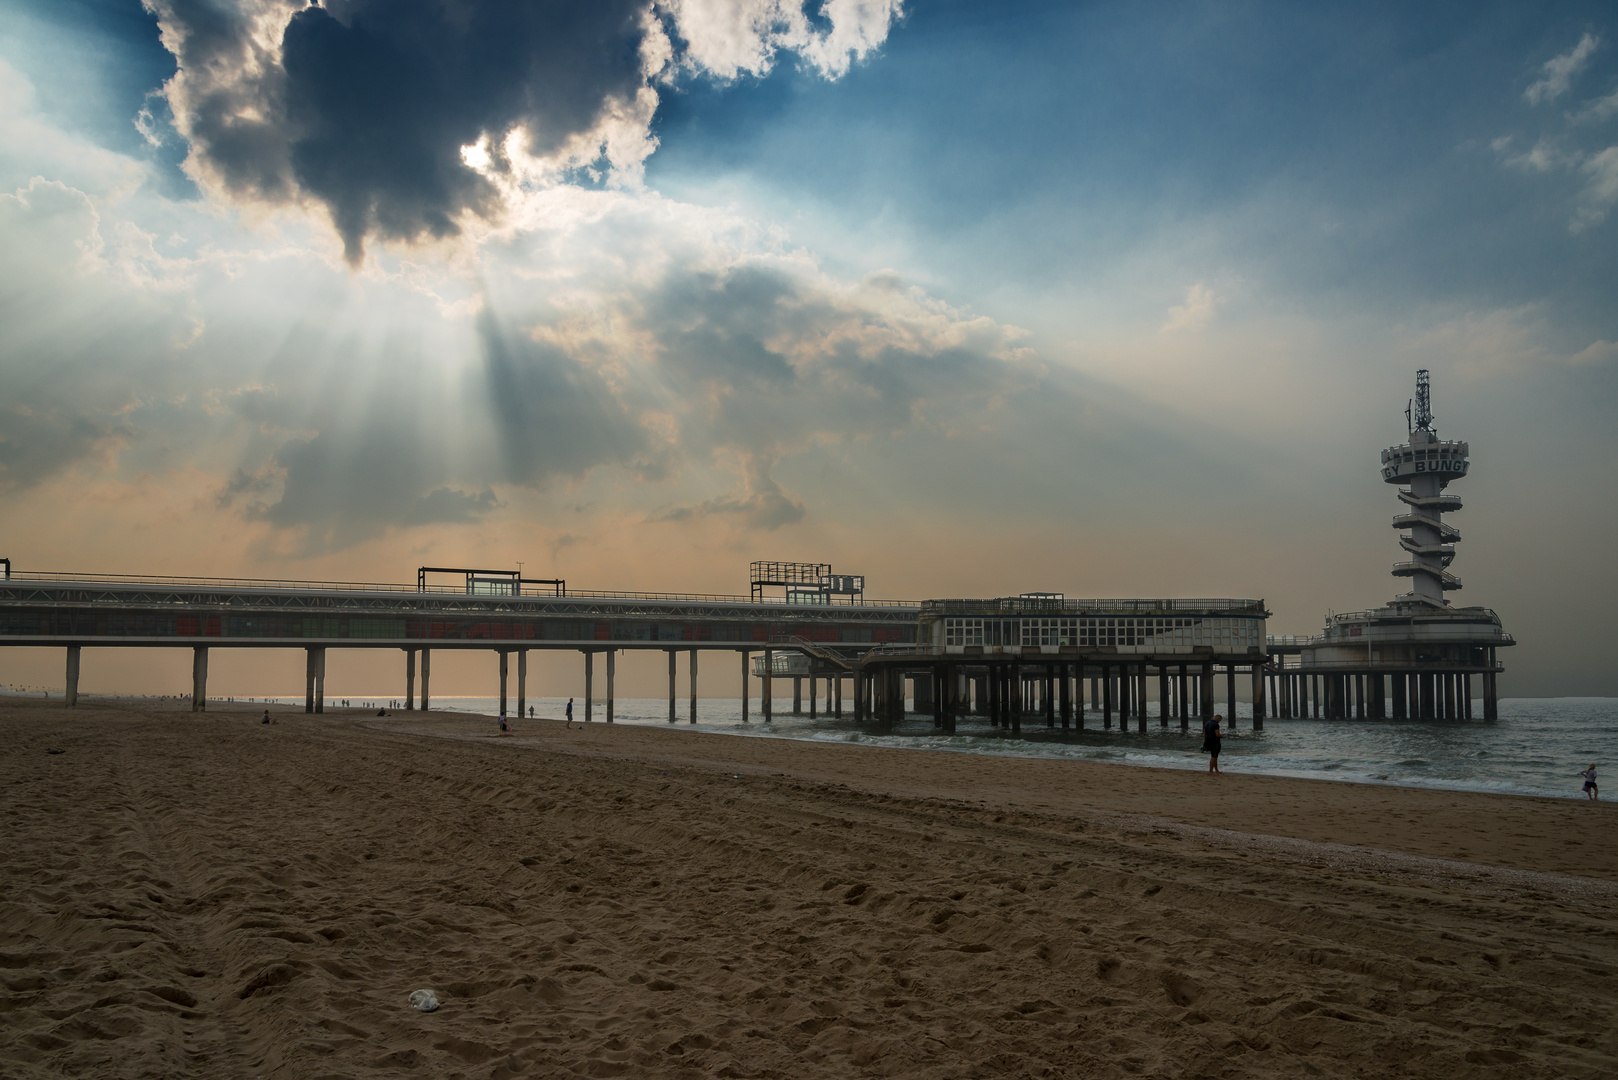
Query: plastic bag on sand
{"x": 425, "y": 1000}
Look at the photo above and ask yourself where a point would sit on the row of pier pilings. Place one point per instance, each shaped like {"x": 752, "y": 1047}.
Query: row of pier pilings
{"x": 1010, "y": 692}
{"x": 418, "y": 661}
{"x": 1006, "y": 692}
{"x": 1382, "y": 694}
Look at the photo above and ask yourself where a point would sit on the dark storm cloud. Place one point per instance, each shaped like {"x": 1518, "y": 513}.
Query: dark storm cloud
{"x": 369, "y": 102}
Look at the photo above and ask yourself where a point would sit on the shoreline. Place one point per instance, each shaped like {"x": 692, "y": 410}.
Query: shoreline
{"x": 996, "y": 745}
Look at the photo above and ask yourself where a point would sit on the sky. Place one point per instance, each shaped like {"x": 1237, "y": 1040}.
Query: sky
{"x": 1112, "y": 299}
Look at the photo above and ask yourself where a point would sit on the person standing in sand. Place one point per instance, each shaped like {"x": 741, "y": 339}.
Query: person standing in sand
{"x": 1590, "y": 788}
{"x": 570, "y": 710}
{"x": 1212, "y": 741}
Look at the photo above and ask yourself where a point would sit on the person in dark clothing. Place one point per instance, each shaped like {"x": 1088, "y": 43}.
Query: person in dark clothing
{"x": 1212, "y": 741}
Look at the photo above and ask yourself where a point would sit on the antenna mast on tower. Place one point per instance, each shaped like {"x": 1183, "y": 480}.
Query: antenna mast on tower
{"x": 1424, "y": 402}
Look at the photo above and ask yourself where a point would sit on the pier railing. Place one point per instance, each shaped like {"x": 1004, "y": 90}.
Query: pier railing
{"x": 148, "y": 581}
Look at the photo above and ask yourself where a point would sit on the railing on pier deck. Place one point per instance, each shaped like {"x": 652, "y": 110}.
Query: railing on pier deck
{"x": 139, "y": 581}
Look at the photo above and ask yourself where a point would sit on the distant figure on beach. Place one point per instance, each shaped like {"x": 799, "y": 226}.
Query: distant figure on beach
{"x": 530, "y": 712}
{"x": 1212, "y": 740}
{"x": 1590, "y": 782}
{"x": 502, "y": 721}
{"x": 570, "y": 710}
{"x": 266, "y": 719}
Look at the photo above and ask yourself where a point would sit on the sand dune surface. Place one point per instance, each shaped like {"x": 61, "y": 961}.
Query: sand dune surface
{"x": 206, "y": 896}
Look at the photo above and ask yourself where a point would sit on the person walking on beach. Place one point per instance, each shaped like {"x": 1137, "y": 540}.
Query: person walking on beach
{"x": 1590, "y": 782}
{"x": 1212, "y": 740}
{"x": 570, "y": 710}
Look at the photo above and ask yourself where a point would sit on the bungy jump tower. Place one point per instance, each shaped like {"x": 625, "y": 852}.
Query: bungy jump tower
{"x": 1422, "y": 647}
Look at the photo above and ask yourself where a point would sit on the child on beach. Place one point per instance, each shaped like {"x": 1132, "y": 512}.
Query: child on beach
{"x": 1590, "y": 782}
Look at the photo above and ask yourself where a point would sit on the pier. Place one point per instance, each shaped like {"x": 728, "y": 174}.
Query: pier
{"x": 488, "y": 610}
{"x": 1008, "y": 659}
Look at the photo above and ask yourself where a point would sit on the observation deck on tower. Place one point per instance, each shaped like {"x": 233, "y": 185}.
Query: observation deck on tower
{"x": 1427, "y": 464}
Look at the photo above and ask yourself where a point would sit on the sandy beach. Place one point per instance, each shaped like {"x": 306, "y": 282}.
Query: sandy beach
{"x": 206, "y": 896}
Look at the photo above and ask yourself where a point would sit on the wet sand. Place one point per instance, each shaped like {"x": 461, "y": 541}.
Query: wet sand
{"x": 205, "y": 896}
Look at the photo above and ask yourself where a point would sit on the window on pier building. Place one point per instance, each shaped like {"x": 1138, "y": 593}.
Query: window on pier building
{"x": 1049, "y": 632}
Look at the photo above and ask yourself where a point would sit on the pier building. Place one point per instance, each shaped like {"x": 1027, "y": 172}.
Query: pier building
{"x": 1417, "y": 656}
{"x": 1031, "y": 655}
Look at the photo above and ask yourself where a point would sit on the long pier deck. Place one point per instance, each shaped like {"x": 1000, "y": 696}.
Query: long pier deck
{"x": 74, "y": 611}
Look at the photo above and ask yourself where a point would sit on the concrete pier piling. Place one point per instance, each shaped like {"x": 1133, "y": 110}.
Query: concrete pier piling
{"x": 767, "y": 703}
{"x": 70, "y": 693}
{"x": 410, "y": 680}
{"x": 199, "y": 678}
{"x": 672, "y": 717}
{"x": 522, "y": 682}
{"x": 426, "y": 679}
{"x": 505, "y": 658}
{"x": 693, "y": 680}
{"x": 589, "y": 685}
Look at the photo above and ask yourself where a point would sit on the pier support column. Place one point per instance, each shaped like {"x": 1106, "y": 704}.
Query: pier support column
{"x": 1138, "y": 678}
{"x": 1466, "y": 694}
{"x": 612, "y": 676}
{"x": 671, "y": 686}
{"x": 308, "y": 680}
{"x": 1016, "y": 713}
{"x": 71, "y": 683}
{"x": 410, "y": 680}
{"x": 1399, "y": 683}
{"x": 814, "y": 696}
{"x": 797, "y": 695}
{"x": 1066, "y": 695}
{"x": 426, "y": 679}
{"x": 1491, "y": 697}
{"x": 991, "y": 697}
{"x": 1230, "y": 693}
{"x": 1207, "y": 689}
{"x": 320, "y": 678}
{"x": 199, "y": 677}
{"x": 767, "y": 691}
{"x": 836, "y": 691}
{"x": 949, "y": 686}
{"x": 505, "y": 663}
{"x": 693, "y": 687}
{"x": 1126, "y": 691}
{"x": 1048, "y": 691}
{"x": 1162, "y": 695}
{"x": 522, "y": 682}
{"x": 1258, "y": 694}
{"x": 1106, "y": 697}
{"x": 746, "y": 686}
{"x": 589, "y": 685}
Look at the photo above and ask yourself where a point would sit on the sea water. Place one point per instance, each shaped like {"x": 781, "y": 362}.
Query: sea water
{"x": 1537, "y": 747}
